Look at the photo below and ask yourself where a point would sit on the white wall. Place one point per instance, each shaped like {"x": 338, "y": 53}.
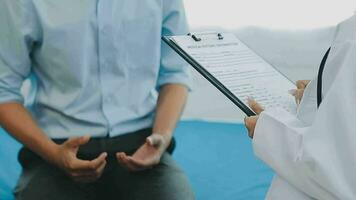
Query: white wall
{"x": 285, "y": 14}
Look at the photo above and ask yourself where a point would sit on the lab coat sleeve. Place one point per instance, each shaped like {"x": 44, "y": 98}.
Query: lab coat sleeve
{"x": 318, "y": 159}
{"x": 17, "y": 36}
{"x": 173, "y": 69}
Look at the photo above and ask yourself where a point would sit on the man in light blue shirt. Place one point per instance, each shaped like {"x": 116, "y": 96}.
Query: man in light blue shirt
{"x": 109, "y": 94}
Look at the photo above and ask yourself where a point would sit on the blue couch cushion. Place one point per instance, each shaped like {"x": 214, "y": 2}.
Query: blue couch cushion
{"x": 219, "y": 161}
{"x": 9, "y": 167}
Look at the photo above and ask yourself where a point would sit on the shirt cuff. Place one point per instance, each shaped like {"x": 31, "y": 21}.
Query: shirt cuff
{"x": 10, "y": 96}
{"x": 175, "y": 79}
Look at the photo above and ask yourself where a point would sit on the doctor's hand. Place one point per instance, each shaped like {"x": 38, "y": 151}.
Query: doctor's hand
{"x": 250, "y": 122}
{"x": 299, "y": 92}
{"x": 147, "y": 156}
{"x": 84, "y": 171}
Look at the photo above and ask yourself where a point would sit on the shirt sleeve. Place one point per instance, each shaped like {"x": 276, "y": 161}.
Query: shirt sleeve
{"x": 173, "y": 68}
{"x": 17, "y": 36}
{"x": 319, "y": 159}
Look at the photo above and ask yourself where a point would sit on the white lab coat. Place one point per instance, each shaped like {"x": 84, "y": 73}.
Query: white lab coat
{"x": 314, "y": 152}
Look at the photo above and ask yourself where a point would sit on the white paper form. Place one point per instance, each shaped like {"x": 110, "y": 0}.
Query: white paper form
{"x": 240, "y": 70}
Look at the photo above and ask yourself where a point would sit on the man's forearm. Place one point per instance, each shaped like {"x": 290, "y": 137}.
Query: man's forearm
{"x": 171, "y": 102}
{"x": 17, "y": 121}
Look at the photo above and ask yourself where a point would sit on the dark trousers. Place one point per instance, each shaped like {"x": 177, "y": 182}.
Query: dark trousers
{"x": 41, "y": 180}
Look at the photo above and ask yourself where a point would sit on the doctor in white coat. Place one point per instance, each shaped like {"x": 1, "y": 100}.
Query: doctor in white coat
{"x": 314, "y": 152}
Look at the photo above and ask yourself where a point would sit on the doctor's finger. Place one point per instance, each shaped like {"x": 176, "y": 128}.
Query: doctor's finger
{"x": 302, "y": 84}
{"x": 250, "y": 123}
{"x": 298, "y": 95}
{"x": 256, "y": 107}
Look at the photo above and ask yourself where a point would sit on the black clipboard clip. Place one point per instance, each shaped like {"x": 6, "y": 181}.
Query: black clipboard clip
{"x": 198, "y": 39}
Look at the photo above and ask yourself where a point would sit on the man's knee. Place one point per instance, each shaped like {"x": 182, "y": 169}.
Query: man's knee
{"x": 44, "y": 182}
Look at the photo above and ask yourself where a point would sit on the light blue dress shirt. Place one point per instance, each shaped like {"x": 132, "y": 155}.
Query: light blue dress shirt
{"x": 98, "y": 63}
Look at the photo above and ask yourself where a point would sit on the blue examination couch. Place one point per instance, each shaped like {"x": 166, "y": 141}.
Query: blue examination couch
{"x": 217, "y": 158}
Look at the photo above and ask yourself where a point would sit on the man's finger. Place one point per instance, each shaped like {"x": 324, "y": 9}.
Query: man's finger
{"x": 121, "y": 158}
{"x": 92, "y": 165}
{"x": 256, "y": 107}
{"x": 90, "y": 172}
{"x": 88, "y": 177}
{"x": 77, "y": 141}
{"x": 96, "y": 163}
{"x": 101, "y": 168}
{"x": 124, "y": 161}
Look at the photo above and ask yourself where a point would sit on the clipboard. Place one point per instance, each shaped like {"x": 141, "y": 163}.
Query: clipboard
{"x": 206, "y": 74}
{"x": 198, "y": 38}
